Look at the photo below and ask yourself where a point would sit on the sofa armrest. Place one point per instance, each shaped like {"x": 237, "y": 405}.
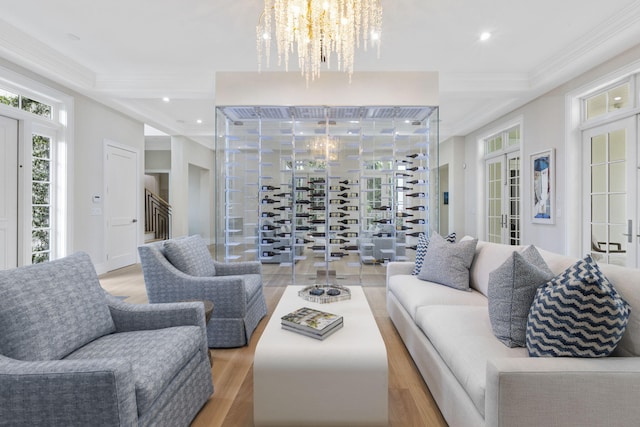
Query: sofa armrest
{"x": 237, "y": 268}
{"x": 399, "y": 267}
{"x": 97, "y": 392}
{"x": 562, "y": 392}
{"x": 137, "y": 317}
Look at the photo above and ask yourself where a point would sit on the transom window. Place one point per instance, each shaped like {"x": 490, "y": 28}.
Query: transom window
{"x": 608, "y": 101}
{"x": 25, "y": 103}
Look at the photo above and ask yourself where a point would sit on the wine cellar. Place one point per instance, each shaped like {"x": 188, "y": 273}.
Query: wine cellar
{"x": 325, "y": 193}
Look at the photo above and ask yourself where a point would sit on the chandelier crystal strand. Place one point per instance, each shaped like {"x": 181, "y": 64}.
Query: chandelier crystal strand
{"x": 315, "y": 30}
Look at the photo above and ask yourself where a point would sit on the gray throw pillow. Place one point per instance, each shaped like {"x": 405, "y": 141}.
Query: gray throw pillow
{"x": 512, "y": 288}
{"x": 448, "y": 263}
{"x": 190, "y": 255}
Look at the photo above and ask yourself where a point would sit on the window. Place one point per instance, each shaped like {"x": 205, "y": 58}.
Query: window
{"x": 26, "y": 104}
{"x": 610, "y": 100}
{"x": 41, "y": 206}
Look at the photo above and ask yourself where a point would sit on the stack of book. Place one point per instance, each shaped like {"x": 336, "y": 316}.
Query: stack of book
{"x": 313, "y": 323}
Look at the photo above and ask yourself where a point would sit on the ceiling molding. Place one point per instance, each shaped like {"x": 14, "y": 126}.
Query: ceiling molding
{"x": 591, "y": 48}
{"x": 34, "y": 55}
{"x": 153, "y": 85}
{"x": 483, "y": 82}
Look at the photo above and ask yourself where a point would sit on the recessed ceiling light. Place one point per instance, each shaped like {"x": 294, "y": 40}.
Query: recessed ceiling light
{"x": 485, "y": 36}
{"x": 166, "y": 99}
{"x": 199, "y": 121}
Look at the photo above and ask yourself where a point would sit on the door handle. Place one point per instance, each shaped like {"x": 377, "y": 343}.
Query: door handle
{"x": 629, "y": 233}
{"x": 134, "y": 220}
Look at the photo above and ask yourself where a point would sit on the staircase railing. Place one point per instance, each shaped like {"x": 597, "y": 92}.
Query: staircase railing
{"x": 157, "y": 216}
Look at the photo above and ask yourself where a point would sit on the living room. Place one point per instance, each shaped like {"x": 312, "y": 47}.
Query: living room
{"x": 558, "y": 103}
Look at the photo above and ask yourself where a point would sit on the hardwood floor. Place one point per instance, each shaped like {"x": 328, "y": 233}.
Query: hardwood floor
{"x": 231, "y": 405}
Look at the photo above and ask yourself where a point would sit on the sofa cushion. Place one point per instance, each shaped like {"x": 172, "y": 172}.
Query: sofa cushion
{"x": 464, "y": 340}
{"x": 512, "y": 287}
{"x": 448, "y": 263}
{"x": 49, "y": 310}
{"x": 488, "y": 257}
{"x": 577, "y": 314}
{"x": 191, "y": 256}
{"x": 156, "y": 356}
{"x": 413, "y": 293}
{"x": 421, "y": 250}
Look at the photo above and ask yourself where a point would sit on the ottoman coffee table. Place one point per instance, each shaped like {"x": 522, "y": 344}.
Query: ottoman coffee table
{"x": 341, "y": 380}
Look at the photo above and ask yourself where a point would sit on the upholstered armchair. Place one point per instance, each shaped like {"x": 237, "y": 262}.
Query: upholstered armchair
{"x": 182, "y": 269}
{"x": 72, "y": 355}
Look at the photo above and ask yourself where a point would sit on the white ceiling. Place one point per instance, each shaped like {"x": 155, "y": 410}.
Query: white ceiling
{"x": 129, "y": 54}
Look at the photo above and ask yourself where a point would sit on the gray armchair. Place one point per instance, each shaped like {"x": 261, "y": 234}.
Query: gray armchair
{"x": 72, "y": 355}
{"x": 182, "y": 269}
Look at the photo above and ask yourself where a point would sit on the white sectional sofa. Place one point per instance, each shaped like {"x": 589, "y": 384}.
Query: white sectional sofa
{"x": 478, "y": 381}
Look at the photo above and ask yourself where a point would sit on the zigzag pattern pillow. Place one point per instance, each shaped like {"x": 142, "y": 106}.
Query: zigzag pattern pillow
{"x": 576, "y": 314}
{"x": 421, "y": 250}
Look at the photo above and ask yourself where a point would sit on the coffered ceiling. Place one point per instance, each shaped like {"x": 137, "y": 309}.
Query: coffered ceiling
{"x": 130, "y": 54}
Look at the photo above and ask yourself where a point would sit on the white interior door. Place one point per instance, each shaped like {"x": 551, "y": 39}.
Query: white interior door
{"x": 122, "y": 206}
{"x": 8, "y": 193}
{"x": 611, "y": 231}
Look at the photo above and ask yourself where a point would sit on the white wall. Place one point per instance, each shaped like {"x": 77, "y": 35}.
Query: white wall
{"x": 452, "y": 153}
{"x": 544, "y": 121}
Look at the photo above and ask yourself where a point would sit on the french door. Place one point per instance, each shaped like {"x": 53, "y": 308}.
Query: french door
{"x": 503, "y": 198}
{"x": 611, "y": 230}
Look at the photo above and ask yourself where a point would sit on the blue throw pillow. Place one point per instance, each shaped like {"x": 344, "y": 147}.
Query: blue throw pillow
{"x": 576, "y": 314}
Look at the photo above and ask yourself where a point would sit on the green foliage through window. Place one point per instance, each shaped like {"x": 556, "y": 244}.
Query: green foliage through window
{"x": 41, "y": 198}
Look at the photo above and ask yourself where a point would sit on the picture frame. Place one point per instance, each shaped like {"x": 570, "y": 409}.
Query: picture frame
{"x": 543, "y": 187}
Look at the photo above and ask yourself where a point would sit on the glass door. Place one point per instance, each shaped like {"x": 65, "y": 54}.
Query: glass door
{"x": 503, "y": 198}
{"x": 611, "y": 228}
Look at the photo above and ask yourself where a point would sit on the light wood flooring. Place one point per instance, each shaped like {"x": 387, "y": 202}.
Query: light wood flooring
{"x": 231, "y": 405}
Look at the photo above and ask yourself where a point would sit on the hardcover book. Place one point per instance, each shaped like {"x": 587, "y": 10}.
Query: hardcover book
{"x": 311, "y": 321}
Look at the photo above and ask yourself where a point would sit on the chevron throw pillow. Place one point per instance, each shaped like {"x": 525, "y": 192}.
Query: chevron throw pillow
{"x": 421, "y": 250}
{"x": 576, "y": 314}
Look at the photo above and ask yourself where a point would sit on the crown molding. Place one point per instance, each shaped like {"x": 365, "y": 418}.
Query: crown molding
{"x": 32, "y": 54}
{"x": 154, "y": 85}
{"x": 470, "y": 83}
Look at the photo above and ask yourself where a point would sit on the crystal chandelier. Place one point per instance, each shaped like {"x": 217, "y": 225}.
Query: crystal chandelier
{"x": 318, "y": 28}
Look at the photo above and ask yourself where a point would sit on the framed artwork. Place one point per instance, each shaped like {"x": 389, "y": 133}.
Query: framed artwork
{"x": 543, "y": 187}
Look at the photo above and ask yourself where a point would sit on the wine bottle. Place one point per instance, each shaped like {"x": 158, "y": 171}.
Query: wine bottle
{"x": 268, "y": 214}
{"x": 417, "y": 156}
{"x": 317, "y": 221}
{"x": 283, "y": 234}
{"x": 337, "y": 214}
{"x": 403, "y": 227}
{"x": 403, "y": 161}
{"x": 268, "y": 254}
{"x": 269, "y": 188}
{"x": 415, "y": 234}
{"x": 348, "y": 208}
{"x": 348, "y": 195}
{"x": 403, "y": 174}
{"x": 347, "y": 182}
{"x": 338, "y": 188}
{"x": 417, "y": 194}
{"x": 317, "y": 248}
{"x": 337, "y": 241}
{"x": 302, "y": 215}
{"x": 303, "y": 228}
{"x": 416, "y": 208}
{"x": 267, "y": 200}
{"x": 403, "y": 214}
{"x": 266, "y": 227}
{"x": 316, "y": 181}
{"x": 417, "y": 181}
{"x": 337, "y": 201}
{"x": 337, "y": 254}
{"x": 348, "y": 234}
{"x": 305, "y": 241}
{"x": 267, "y": 241}
{"x": 414, "y": 247}
{"x": 382, "y": 235}
{"x": 348, "y": 221}
{"x": 280, "y": 248}
{"x": 282, "y": 195}
{"x": 381, "y": 208}
{"x": 338, "y": 227}
{"x": 317, "y": 208}
{"x": 318, "y": 234}
{"x": 283, "y": 208}
{"x": 349, "y": 247}
{"x": 317, "y": 194}
{"x": 303, "y": 202}
{"x": 417, "y": 168}
{"x": 417, "y": 221}
{"x": 304, "y": 188}
{"x": 283, "y": 221}
{"x": 382, "y": 221}
{"x": 402, "y": 187}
